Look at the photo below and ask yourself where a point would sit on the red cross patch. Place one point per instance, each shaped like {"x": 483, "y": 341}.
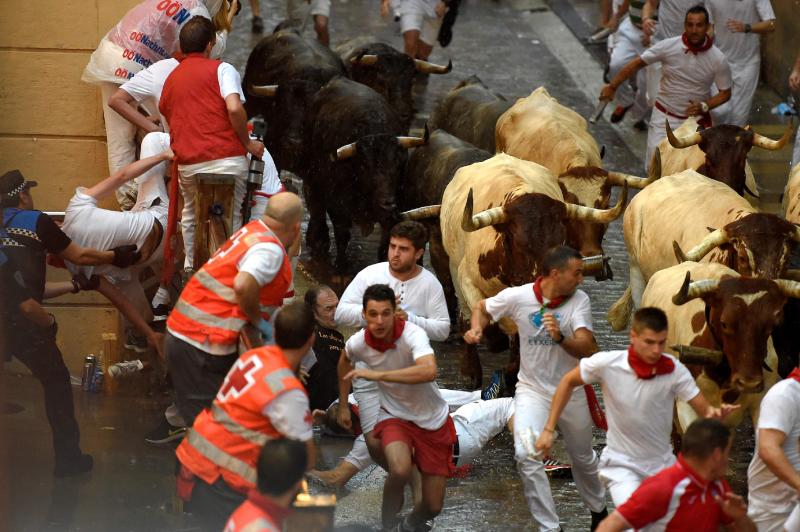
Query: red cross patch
{"x": 239, "y": 378}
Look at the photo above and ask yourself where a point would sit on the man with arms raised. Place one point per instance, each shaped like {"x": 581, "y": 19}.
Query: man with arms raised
{"x": 554, "y": 320}
{"x": 640, "y": 385}
{"x": 414, "y": 428}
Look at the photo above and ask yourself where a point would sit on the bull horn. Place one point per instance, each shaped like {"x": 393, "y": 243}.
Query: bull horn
{"x": 691, "y": 290}
{"x": 265, "y": 91}
{"x": 413, "y": 142}
{"x": 470, "y": 222}
{"x": 789, "y": 288}
{"x": 769, "y": 144}
{"x": 598, "y": 216}
{"x": 346, "y": 151}
{"x": 690, "y": 354}
{"x": 365, "y": 59}
{"x": 420, "y": 213}
{"x": 431, "y": 68}
{"x": 653, "y": 173}
{"x": 682, "y": 142}
{"x": 713, "y": 239}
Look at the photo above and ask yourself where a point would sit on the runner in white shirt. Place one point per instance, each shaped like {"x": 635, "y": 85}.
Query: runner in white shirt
{"x": 737, "y": 32}
{"x": 554, "y": 320}
{"x": 420, "y": 21}
{"x": 773, "y": 478}
{"x": 413, "y": 424}
{"x": 691, "y": 64}
{"x": 476, "y": 421}
{"x": 640, "y": 386}
{"x": 627, "y": 43}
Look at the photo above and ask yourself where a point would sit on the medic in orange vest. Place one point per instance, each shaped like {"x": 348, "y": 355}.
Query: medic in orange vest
{"x": 260, "y": 400}
{"x": 281, "y": 465}
{"x": 245, "y": 281}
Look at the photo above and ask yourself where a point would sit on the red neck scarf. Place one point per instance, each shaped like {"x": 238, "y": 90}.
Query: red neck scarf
{"x": 795, "y": 374}
{"x": 275, "y": 512}
{"x": 382, "y": 345}
{"x": 553, "y": 303}
{"x": 647, "y": 371}
{"x": 708, "y": 42}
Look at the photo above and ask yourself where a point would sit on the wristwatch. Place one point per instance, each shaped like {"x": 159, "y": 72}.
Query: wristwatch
{"x": 704, "y": 107}
{"x": 747, "y": 28}
{"x": 560, "y": 339}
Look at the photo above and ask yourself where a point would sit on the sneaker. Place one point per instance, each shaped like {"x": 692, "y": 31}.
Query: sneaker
{"x": 134, "y": 342}
{"x": 597, "y": 517}
{"x": 164, "y": 433}
{"x": 493, "y": 390}
{"x": 619, "y": 114}
{"x": 258, "y": 25}
{"x": 160, "y": 312}
{"x": 69, "y": 468}
{"x": 123, "y": 369}
{"x": 640, "y": 125}
{"x": 556, "y": 469}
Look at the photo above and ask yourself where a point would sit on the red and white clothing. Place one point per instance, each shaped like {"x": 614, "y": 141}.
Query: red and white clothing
{"x": 257, "y": 514}
{"x": 743, "y": 53}
{"x": 686, "y": 77}
{"x": 770, "y": 500}
{"x": 542, "y": 365}
{"x": 675, "y": 500}
{"x": 639, "y": 413}
{"x": 203, "y": 139}
{"x": 420, "y": 403}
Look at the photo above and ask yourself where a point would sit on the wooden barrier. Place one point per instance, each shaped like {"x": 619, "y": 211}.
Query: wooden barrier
{"x": 213, "y": 214}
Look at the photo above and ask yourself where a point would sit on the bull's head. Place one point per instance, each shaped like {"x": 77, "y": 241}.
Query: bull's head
{"x": 591, "y": 186}
{"x": 740, "y": 316}
{"x": 285, "y": 113}
{"x": 528, "y": 226}
{"x": 378, "y": 163}
{"x": 759, "y": 243}
{"x": 726, "y": 148}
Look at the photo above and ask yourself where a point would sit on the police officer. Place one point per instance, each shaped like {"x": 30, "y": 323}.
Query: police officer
{"x": 28, "y": 235}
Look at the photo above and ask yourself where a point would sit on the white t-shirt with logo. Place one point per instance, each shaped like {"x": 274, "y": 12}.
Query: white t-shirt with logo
{"x": 685, "y": 76}
{"x": 639, "y": 411}
{"x": 422, "y": 404}
{"x": 543, "y": 362}
{"x": 780, "y": 410}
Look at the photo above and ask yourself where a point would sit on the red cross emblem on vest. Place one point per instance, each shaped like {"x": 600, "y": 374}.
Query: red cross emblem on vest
{"x": 239, "y": 378}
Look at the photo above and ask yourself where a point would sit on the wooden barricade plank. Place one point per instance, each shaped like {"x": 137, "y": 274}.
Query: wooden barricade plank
{"x": 212, "y": 230}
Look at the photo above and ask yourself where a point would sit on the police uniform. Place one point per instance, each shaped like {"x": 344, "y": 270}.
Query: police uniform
{"x": 219, "y": 455}
{"x": 203, "y": 328}
{"x": 29, "y": 236}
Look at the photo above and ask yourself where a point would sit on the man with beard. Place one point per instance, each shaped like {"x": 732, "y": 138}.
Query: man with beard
{"x": 690, "y": 64}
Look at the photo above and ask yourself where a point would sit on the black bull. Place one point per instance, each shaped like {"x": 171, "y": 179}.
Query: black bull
{"x": 358, "y": 159}
{"x": 284, "y": 72}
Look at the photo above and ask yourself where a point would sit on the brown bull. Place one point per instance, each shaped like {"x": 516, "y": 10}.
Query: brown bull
{"x": 721, "y": 311}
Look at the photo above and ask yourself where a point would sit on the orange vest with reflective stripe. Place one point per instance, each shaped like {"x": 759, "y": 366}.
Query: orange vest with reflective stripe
{"x": 207, "y": 310}
{"x": 226, "y": 439}
{"x": 257, "y": 514}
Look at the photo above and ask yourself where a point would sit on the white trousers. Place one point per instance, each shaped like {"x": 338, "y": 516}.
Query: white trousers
{"x": 627, "y": 47}
{"x": 653, "y": 76}
{"x": 736, "y": 111}
{"x": 478, "y": 422}
{"x": 532, "y": 408}
{"x": 657, "y": 132}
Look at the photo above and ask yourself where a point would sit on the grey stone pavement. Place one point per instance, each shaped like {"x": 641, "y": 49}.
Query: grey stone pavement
{"x": 514, "y": 46}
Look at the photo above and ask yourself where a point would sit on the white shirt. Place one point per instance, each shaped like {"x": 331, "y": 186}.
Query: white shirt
{"x": 639, "y": 411}
{"x": 780, "y": 410}
{"x": 92, "y": 227}
{"x": 422, "y": 404}
{"x": 262, "y": 261}
{"x": 290, "y": 415}
{"x": 543, "y": 362}
{"x": 421, "y": 297}
{"x": 149, "y": 83}
{"x": 740, "y": 48}
{"x": 685, "y": 76}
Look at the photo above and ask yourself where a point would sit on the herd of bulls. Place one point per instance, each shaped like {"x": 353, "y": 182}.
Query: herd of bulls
{"x": 498, "y": 183}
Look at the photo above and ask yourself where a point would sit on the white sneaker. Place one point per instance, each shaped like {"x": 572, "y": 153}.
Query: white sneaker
{"x": 123, "y": 369}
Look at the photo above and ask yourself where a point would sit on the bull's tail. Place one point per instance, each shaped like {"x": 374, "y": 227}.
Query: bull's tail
{"x": 620, "y": 312}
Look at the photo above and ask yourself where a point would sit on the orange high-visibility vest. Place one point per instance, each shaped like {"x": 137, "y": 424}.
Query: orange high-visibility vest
{"x": 257, "y": 514}
{"x": 226, "y": 439}
{"x": 207, "y": 310}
